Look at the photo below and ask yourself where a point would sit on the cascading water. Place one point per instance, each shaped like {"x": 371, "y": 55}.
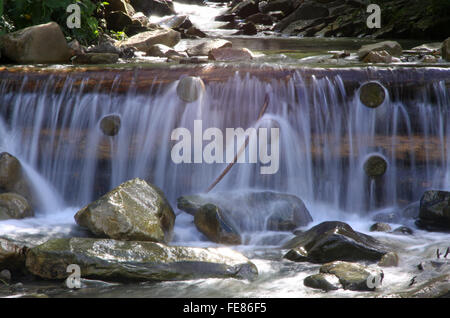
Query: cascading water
{"x": 326, "y": 134}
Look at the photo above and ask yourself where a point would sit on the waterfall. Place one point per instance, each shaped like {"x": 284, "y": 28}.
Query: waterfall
{"x": 326, "y": 134}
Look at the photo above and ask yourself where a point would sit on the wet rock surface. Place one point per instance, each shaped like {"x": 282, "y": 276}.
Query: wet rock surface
{"x": 112, "y": 260}
{"x": 333, "y": 241}
{"x": 434, "y": 213}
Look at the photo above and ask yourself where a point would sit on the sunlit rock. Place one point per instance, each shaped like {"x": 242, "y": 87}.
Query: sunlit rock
{"x": 378, "y": 57}
{"x": 230, "y": 54}
{"x": 372, "y": 94}
{"x": 210, "y": 221}
{"x": 354, "y": 276}
{"x": 333, "y": 241}
{"x": 375, "y": 166}
{"x": 145, "y": 40}
{"x": 110, "y": 125}
{"x": 204, "y": 48}
{"x": 190, "y": 88}
{"x": 434, "y": 213}
{"x": 44, "y": 43}
{"x": 135, "y": 210}
{"x": 14, "y": 206}
{"x": 112, "y": 260}
{"x": 392, "y": 47}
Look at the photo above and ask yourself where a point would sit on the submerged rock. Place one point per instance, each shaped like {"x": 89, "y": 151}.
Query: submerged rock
{"x": 380, "y": 227}
{"x": 96, "y": 58}
{"x": 322, "y": 281}
{"x": 111, "y": 260}
{"x": 135, "y": 210}
{"x": 44, "y": 43}
{"x": 14, "y": 206}
{"x": 190, "y": 88}
{"x": 265, "y": 210}
{"x": 210, "y": 221}
{"x": 354, "y": 276}
{"x": 389, "y": 260}
{"x": 333, "y": 241}
{"x": 403, "y": 230}
{"x": 434, "y": 213}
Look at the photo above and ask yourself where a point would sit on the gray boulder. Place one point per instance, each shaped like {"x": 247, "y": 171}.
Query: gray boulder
{"x": 434, "y": 213}
{"x": 14, "y": 206}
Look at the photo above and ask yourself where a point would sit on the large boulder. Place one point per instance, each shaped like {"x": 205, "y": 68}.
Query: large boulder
{"x": 210, "y": 221}
{"x": 135, "y": 210}
{"x": 12, "y": 256}
{"x": 445, "y": 50}
{"x": 112, "y": 260}
{"x": 434, "y": 213}
{"x": 14, "y": 206}
{"x": 245, "y": 8}
{"x": 253, "y": 211}
{"x": 392, "y": 47}
{"x": 44, "y": 43}
{"x": 145, "y": 40}
{"x": 154, "y": 7}
{"x": 333, "y": 241}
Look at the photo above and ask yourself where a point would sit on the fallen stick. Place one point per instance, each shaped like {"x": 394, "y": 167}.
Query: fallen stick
{"x": 244, "y": 146}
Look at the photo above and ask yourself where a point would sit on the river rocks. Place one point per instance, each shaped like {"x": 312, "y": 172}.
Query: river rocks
{"x": 112, "y": 260}
{"x": 391, "y": 47}
{"x": 378, "y": 57}
{"x": 96, "y": 58}
{"x": 204, "y": 48}
{"x": 14, "y": 206}
{"x": 375, "y": 166}
{"x": 445, "y": 50}
{"x": 245, "y": 9}
{"x": 389, "y": 260}
{"x": 154, "y": 7}
{"x": 403, "y": 230}
{"x": 110, "y": 125}
{"x": 333, "y": 241}
{"x": 44, "y": 43}
{"x": 194, "y": 32}
{"x": 118, "y": 20}
{"x": 434, "y": 213}
{"x": 322, "y": 281}
{"x": 372, "y": 94}
{"x": 190, "y": 88}
{"x": 145, "y": 40}
{"x": 260, "y": 18}
{"x": 253, "y": 211}
{"x": 12, "y": 256}
{"x": 210, "y": 221}
{"x": 380, "y": 227}
{"x": 161, "y": 50}
{"x": 248, "y": 28}
{"x": 135, "y": 210}
{"x": 354, "y": 276}
{"x": 285, "y": 6}
{"x": 230, "y": 54}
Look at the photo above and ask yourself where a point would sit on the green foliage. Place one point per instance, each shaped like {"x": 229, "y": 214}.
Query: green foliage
{"x": 24, "y": 13}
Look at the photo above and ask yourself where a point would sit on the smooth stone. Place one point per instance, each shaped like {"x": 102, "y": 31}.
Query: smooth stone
{"x": 190, "y": 88}
{"x": 230, "y": 54}
{"x": 380, "y": 227}
{"x": 14, "y": 206}
{"x": 375, "y": 166}
{"x": 145, "y": 40}
{"x": 378, "y": 57}
{"x": 324, "y": 282}
{"x": 393, "y": 48}
{"x": 204, "y": 48}
{"x": 372, "y": 94}
{"x": 110, "y": 125}
{"x": 390, "y": 259}
{"x": 403, "y": 230}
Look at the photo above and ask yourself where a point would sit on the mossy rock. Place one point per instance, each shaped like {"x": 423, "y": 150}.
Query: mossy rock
{"x": 375, "y": 166}
{"x": 372, "y": 94}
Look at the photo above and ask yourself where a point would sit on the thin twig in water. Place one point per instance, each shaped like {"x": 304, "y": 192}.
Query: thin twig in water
{"x": 228, "y": 168}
